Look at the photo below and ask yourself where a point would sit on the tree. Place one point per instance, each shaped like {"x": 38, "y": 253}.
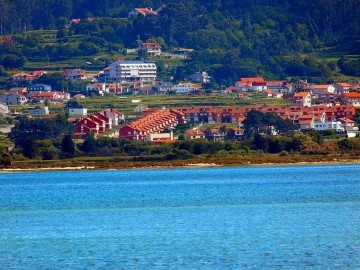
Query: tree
{"x": 89, "y": 145}
{"x": 68, "y": 146}
{"x": 13, "y": 61}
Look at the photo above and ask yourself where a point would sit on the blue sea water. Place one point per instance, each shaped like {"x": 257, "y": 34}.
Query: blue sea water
{"x": 285, "y": 217}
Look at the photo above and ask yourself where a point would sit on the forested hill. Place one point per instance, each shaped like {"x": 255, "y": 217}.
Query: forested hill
{"x": 230, "y": 37}
{"x": 332, "y": 20}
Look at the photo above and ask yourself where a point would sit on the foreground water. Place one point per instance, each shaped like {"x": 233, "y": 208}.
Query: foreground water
{"x": 304, "y": 217}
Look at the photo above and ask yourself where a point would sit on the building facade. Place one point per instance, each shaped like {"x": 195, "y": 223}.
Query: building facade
{"x": 132, "y": 70}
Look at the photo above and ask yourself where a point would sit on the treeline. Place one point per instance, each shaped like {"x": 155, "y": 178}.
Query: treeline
{"x": 334, "y": 19}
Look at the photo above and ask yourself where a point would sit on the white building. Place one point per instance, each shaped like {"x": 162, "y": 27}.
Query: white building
{"x": 186, "y": 87}
{"x": 132, "y": 70}
{"x": 4, "y": 109}
{"x": 77, "y": 112}
{"x": 200, "y": 77}
{"x": 39, "y": 111}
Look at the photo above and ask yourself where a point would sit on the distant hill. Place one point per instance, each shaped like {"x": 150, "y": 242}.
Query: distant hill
{"x": 231, "y": 38}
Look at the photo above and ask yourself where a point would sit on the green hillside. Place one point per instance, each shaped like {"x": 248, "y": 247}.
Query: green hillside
{"x": 277, "y": 39}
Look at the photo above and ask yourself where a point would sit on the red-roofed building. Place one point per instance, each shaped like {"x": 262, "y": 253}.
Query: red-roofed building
{"x": 75, "y": 74}
{"x": 142, "y": 11}
{"x": 151, "y": 48}
{"x": 51, "y": 96}
{"x": 194, "y": 134}
{"x": 351, "y": 98}
{"x": 85, "y": 126}
{"x": 27, "y": 77}
{"x": 251, "y": 83}
{"x": 149, "y": 127}
{"x": 302, "y": 99}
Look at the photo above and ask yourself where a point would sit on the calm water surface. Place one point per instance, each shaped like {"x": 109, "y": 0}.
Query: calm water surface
{"x": 304, "y": 217}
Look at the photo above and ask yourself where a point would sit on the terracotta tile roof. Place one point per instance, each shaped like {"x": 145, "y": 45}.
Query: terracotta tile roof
{"x": 196, "y": 132}
{"x": 252, "y": 80}
{"x": 145, "y": 11}
{"x": 352, "y": 95}
{"x": 320, "y": 86}
{"x": 301, "y": 94}
{"x": 305, "y": 122}
{"x": 346, "y": 120}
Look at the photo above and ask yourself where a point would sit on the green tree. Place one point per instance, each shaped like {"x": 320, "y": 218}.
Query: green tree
{"x": 68, "y": 146}
{"x": 89, "y": 145}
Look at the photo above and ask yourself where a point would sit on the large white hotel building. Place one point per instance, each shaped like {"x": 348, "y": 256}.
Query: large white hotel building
{"x": 130, "y": 70}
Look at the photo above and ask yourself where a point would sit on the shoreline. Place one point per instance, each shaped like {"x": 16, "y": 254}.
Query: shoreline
{"x": 186, "y": 165}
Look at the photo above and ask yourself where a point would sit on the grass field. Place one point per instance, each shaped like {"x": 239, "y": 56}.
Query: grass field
{"x": 125, "y": 104}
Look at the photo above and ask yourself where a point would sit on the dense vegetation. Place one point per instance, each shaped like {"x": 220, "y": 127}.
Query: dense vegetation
{"x": 273, "y": 38}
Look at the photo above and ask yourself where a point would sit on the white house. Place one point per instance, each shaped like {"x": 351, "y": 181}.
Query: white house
{"x": 99, "y": 88}
{"x": 75, "y": 74}
{"x": 302, "y": 99}
{"x": 186, "y": 87}
{"x": 115, "y": 116}
{"x": 322, "y": 88}
{"x": 77, "y": 112}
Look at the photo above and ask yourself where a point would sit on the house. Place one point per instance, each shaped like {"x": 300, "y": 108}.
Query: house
{"x": 215, "y": 134}
{"x": 186, "y": 87}
{"x": 302, "y": 99}
{"x": 230, "y": 90}
{"x": 96, "y": 119}
{"x": 200, "y": 77}
{"x": 51, "y": 96}
{"x": 300, "y": 85}
{"x": 85, "y": 126}
{"x": 327, "y": 98}
{"x": 18, "y": 90}
{"x": 37, "y": 88}
{"x": 141, "y": 108}
{"x": 142, "y": 11}
{"x": 317, "y": 89}
{"x": 115, "y": 88}
{"x": 132, "y": 70}
{"x": 39, "y": 111}
{"x": 349, "y": 126}
{"x": 273, "y": 94}
{"x": 279, "y": 86}
{"x": 13, "y": 99}
{"x": 75, "y": 74}
{"x": 4, "y": 109}
{"x": 98, "y": 88}
{"x": 235, "y": 134}
{"x": 27, "y": 77}
{"x": 351, "y": 98}
{"x": 115, "y": 116}
{"x": 73, "y": 112}
{"x": 151, "y": 126}
{"x": 163, "y": 87}
{"x": 342, "y": 88}
{"x": 251, "y": 84}
{"x": 151, "y": 48}
{"x": 192, "y": 134}
{"x": 107, "y": 120}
